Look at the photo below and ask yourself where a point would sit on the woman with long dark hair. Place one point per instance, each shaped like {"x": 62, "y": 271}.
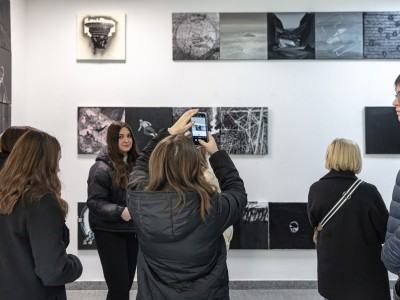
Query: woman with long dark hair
{"x": 33, "y": 236}
{"x": 108, "y": 214}
{"x": 180, "y": 216}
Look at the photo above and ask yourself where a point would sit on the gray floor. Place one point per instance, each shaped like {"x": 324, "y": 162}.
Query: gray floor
{"x": 293, "y": 294}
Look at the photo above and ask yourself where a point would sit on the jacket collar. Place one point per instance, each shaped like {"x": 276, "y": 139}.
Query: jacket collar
{"x": 339, "y": 174}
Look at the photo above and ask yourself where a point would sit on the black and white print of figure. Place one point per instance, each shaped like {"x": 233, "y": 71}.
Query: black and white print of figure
{"x": 100, "y": 30}
{"x": 244, "y": 130}
{"x": 3, "y": 88}
{"x": 195, "y": 36}
{"x": 291, "y": 35}
{"x": 85, "y": 234}
{"x": 92, "y": 126}
{"x": 147, "y": 128}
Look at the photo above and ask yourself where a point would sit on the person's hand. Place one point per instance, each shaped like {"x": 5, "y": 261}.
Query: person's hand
{"x": 210, "y": 146}
{"x": 126, "y": 216}
{"x": 396, "y": 104}
{"x": 183, "y": 124}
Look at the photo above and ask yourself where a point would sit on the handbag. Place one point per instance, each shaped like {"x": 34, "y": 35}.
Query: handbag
{"x": 346, "y": 196}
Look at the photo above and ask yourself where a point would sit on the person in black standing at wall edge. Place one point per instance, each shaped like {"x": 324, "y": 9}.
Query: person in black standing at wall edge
{"x": 8, "y": 140}
{"x": 349, "y": 245}
{"x": 34, "y": 264}
{"x": 391, "y": 248}
{"x": 108, "y": 215}
{"x": 180, "y": 217}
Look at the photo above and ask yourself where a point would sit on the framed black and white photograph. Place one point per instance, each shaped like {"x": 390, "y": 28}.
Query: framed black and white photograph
{"x": 86, "y": 240}
{"x": 195, "y": 36}
{"x": 382, "y": 35}
{"x": 5, "y": 36}
{"x": 93, "y": 123}
{"x": 5, "y": 116}
{"x": 244, "y": 130}
{"x": 147, "y": 121}
{"x": 339, "y": 35}
{"x": 251, "y": 232}
{"x": 382, "y": 130}
{"x": 243, "y": 36}
{"x": 291, "y": 36}
{"x": 100, "y": 36}
{"x": 5, "y": 76}
{"x": 289, "y": 227}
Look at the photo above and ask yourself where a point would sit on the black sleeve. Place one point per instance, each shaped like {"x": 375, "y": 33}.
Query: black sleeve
{"x": 379, "y": 215}
{"x": 310, "y": 209}
{"x": 45, "y": 225}
{"x": 140, "y": 172}
{"x": 233, "y": 198}
{"x": 99, "y": 195}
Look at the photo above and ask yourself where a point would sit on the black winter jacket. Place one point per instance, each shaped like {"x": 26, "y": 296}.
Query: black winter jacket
{"x": 34, "y": 264}
{"x": 106, "y": 201}
{"x": 349, "y": 246}
{"x": 180, "y": 255}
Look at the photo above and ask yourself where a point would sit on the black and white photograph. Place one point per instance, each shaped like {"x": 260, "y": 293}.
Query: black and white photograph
{"x": 291, "y": 35}
{"x": 147, "y": 121}
{"x": 195, "y": 36}
{"x": 213, "y": 119}
{"x": 5, "y": 76}
{"x": 339, "y": 35}
{"x": 93, "y": 123}
{"x": 289, "y": 227}
{"x": 382, "y": 35}
{"x": 244, "y": 130}
{"x": 251, "y": 232}
{"x": 5, "y": 116}
{"x": 100, "y": 36}
{"x": 86, "y": 239}
{"x": 5, "y": 37}
{"x": 243, "y": 36}
{"x": 382, "y": 130}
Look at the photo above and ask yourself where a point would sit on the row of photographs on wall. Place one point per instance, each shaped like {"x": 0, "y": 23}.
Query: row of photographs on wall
{"x": 382, "y": 130}
{"x": 303, "y": 35}
{"x": 5, "y": 53}
{"x": 237, "y": 130}
{"x": 263, "y": 225}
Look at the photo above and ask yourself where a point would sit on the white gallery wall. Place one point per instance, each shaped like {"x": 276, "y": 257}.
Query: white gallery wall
{"x": 310, "y": 102}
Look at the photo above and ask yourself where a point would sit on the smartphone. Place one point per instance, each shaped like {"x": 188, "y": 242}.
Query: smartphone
{"x": 199, "y": 128}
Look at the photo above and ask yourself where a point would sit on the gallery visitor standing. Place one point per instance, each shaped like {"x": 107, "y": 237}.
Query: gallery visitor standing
{"x": 108, "y": 214}
{"x": 349, "y": 244}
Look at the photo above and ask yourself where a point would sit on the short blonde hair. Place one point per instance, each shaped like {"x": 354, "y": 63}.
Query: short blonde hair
{"x": 343, "y": 155}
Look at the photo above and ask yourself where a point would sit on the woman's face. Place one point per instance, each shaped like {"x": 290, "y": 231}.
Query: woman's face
{"x": 125, "y": 140}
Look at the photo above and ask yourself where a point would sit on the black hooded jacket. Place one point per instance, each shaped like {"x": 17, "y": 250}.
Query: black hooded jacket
{"x": 106, "y": 201}
{"x": 180, "y": 255}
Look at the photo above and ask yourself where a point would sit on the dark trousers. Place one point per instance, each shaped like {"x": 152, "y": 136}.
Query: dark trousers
{"x": 118, "y": 256}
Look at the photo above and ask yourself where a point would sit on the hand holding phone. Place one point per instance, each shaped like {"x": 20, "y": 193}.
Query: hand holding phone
{"x": 199, "y": 128}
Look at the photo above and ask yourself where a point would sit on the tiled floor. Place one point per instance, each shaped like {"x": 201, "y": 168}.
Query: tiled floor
{"x": 303, "y": 294}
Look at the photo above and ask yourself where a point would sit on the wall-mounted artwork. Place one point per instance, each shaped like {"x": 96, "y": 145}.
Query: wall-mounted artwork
{"x": 147, "y": 121}
{"x": 382, "y": 130}
{"x": 101, "y": 36}
{"x": 5, "y": 37}
{"x": 86, "y": 239}
{"x": 251, "y": 232}
{"x": 92, "y": 127}
{"x": 243, "y": 35}
{"x": 291, "y": 35}
{"x": 195, "y": 36}
{"x": 244, "y": 130}
{"x": 5, "y": 116}
{"x": 339, "y": 35}
{"x": 5, "y": 76}
{"x": 289, "y": 227}
{"x": 382, "y": 35}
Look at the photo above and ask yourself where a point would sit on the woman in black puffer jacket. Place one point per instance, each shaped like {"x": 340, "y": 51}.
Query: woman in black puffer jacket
{"x": 108, "y": 215}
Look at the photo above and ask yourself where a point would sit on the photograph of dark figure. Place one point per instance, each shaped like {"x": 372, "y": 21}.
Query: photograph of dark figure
{"x": 5, "y": 76}
{"x": 291, "y": 35}
{"x": 5, "y": 36}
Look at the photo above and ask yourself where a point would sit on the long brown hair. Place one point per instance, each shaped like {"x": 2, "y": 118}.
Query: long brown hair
{"x": 10, "y": 137}
{"x": 122, "y": 169}
{"x": 30, "y": 171}
{"x": 177, "y": 165}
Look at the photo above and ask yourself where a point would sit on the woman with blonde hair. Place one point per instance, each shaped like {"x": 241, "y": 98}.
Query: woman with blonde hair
{"x": 180, "y": 217}
{"x": 350, "y": 219}
{"x": 33, "y": 259}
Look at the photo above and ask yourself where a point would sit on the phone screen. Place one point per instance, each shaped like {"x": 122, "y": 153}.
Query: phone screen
{"x": 199, "y": 127}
